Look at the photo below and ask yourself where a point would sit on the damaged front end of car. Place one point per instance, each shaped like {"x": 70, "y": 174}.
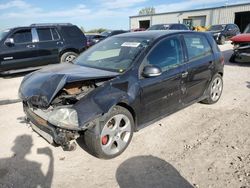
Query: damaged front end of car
{"x": 241, "y": 48}
{"x": 49, "y": 102}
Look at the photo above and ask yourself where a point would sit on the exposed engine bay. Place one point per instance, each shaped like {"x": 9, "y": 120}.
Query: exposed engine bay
{"x": 73, "y": 92}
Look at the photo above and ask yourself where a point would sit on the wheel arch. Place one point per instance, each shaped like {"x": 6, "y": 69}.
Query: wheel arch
{"x": 130, "y": 109}
{"x": 68, "y": 50}
{"x": 220, "y": 73}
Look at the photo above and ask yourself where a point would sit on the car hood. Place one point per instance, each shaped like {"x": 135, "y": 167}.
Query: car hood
{"x": 40, "y": 87}
{"x": 241, "y": 38}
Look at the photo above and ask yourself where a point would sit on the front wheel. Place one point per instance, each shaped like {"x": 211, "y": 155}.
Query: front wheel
{"x": 112, "y": 136}
{"x": 214, "y": 90}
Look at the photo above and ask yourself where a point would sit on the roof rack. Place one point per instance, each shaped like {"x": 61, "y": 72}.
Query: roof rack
{"x": 50, "y": 24}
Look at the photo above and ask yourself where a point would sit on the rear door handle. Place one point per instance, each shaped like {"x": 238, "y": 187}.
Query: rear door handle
{"x": 184, "y": 74}
{"x": 31, "y": 46}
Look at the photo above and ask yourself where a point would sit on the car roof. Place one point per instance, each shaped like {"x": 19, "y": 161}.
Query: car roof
{"x": 154, "y": 34}
{"x": 41, "y": 26}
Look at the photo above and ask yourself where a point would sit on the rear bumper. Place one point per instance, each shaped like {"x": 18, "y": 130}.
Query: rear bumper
{"x": 52, "y": 134}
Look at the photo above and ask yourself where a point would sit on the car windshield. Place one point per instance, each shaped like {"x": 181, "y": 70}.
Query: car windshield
{"x": 247, "y": 30}
{"x": 216, "y": 28}
{"x": 3, "y": 34}
{"x": 113, "y": 54}
{"x": 158, "y": 27}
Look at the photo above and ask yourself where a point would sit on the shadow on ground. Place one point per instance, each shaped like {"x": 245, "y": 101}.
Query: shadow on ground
{"x": 15, "y": 75}
{"x": 9, "y": 101}
{"x": 16, "y": 171}
{"x": 148, "y": 172}
{"x": 248, "y": 85}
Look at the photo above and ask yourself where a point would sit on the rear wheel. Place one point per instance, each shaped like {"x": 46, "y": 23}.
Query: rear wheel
{"x": 214, "y": 90}
{"x": 68, "y": 57}
{"x": 112, "y": 136}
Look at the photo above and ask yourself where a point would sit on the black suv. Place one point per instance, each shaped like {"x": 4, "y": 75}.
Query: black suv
{"x": 27, "y": 48}
{"x": 223, "y": 32}
{"x": 172, "y": 26}
{"x": 120, "y": 85}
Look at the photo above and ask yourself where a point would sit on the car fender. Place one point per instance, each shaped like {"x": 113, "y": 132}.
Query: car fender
{"x": 102, "y": 99}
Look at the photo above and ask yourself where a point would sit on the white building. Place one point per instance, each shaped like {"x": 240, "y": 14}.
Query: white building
{"x": 238, "y": 14}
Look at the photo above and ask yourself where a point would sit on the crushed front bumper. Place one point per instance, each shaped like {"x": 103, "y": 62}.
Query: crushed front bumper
{"x": 51, "y": 133}
{"x": 242, "y": 54}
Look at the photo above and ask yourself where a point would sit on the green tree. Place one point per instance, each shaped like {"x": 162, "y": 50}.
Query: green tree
{"x": 147, "y": 11}
{"x": 97, "y": 30}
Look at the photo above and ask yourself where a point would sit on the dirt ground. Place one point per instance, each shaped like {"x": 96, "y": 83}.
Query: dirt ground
{"x": 203, "y": 146}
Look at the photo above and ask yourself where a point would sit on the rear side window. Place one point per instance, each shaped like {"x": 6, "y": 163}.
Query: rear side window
{"x": 72, "y": 31}
{"x": 22, "y": 36}
{"x": 197, "y": 46}
{"x": 175, "y": 27}
{"x": 167, "y": 54}
{"x": 44, "y": 34}
{"x": 47, "y": 34}
{"x": 183, "y": 27}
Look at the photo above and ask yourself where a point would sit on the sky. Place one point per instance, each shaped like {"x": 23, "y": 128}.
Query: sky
{"x": 91, "y": 14}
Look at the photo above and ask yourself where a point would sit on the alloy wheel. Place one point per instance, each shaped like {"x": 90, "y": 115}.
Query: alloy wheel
{"x": 216, "y": 89}
{"x": 70, "y": 58}
{"x": 115, "y": 134}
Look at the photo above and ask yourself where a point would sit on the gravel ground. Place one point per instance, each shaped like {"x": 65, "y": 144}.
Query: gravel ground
{"x": 201, "y": 146}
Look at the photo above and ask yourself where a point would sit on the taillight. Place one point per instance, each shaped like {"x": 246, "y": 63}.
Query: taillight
{"x": 222, "y": 60}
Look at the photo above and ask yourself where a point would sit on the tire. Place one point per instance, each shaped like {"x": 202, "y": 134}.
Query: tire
{"x": 108, "y": 140}
{"x": 68, "y": 57}
{"x": 214, "y": 90}
{"x": 222, "y": 40}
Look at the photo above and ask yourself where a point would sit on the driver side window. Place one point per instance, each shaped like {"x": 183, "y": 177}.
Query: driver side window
{"x": 166, "y": 55}
{"x": 22, "y": 36}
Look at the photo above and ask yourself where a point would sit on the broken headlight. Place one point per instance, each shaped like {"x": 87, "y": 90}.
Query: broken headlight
{"x": 64, "y": 117}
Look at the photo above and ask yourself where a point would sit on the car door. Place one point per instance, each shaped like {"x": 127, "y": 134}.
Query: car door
{"x": 161, "y": 95}
{"x": 48, "y": 45}
{"x": 200, "y": 66}
{"x": 21, "y": 53}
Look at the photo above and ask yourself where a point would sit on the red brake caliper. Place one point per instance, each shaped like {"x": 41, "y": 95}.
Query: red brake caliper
{"x": 105, "y": 140}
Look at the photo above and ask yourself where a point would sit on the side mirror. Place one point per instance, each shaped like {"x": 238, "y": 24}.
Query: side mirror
{"x": 9, "y": 42}
{"x": 151, "y": 71}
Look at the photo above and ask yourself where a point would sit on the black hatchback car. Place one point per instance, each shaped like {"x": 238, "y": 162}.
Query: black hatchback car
{"x": 223, "y": 32}
{"x": 120, "y": 85}
{"x": 27, "y": 48}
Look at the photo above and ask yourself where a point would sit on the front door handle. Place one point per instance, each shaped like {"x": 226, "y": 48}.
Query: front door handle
{"x": 184, "y": 74}
{"x": 31, "y": 46}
